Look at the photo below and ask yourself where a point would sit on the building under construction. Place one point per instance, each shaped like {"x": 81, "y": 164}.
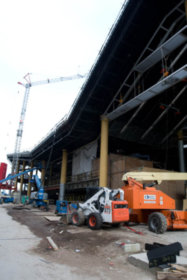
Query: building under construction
{"x": 131, "y": 111}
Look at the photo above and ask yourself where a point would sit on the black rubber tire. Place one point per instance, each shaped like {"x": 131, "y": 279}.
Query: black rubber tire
{"x": 157, "y": 222}
{"x": 77, "y": 218}
{"x": 34, "y": 204}
{"x": 116, "y": 225}
{"x": 46, "y": 208}
{"x": 95, "y": 221}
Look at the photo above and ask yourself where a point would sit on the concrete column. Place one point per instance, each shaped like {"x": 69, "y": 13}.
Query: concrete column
{"x": 29, "y": 184}
{"x": 16, "y": 179}
{"x": 104, "y": 153}
{"x": 43, "y": 173}
{"x": 22, "y": 178}
{"x": 181, "y": 151}
{"x": 63, "y": 175}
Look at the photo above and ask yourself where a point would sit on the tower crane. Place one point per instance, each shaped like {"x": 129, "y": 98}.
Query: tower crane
{"x": 27, "y": 86}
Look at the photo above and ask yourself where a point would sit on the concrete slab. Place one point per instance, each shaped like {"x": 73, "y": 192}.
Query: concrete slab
{"x": 78, "y": 230}
{"x": 40, "y": 213}
{"x": 19, "y": 262}
{"x": 142, "y": 261}
{"x": 52, "y": 218}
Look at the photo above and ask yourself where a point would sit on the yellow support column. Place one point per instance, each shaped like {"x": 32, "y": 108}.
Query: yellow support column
{"x": 63, "y": 174}
{"x": 104, "y": 153}
{"x": 43, "y": 173}
{"x": 29, "y": 184}
{"x": 16, "y": 179}
{"x": 22, "y": 178}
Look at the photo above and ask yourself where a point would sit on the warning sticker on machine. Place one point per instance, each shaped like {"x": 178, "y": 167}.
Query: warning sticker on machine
{"x": 149, "y": 197}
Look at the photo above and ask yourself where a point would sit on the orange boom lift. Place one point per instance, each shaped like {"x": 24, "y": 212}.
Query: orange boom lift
{"x": 151, "y": 206}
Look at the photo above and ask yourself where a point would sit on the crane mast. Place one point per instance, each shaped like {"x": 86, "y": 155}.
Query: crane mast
{"x": 20, "y": 132}
{"x": 27, "y": 86}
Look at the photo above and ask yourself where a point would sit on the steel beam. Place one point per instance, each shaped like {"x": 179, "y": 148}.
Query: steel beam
{"x": 174, "y": 129}
{"x": 163, "y": 113}
{"x": 153, "y": 91}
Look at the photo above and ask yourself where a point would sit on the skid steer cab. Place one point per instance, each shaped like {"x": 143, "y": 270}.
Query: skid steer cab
{"x": 106, "y": 206}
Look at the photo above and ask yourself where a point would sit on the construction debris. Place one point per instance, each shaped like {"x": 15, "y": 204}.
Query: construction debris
{"x": 174, "y": 272}
{"x": 77, "y": 250}
{"x": 52, "y": 243}
{"x": 132, "y": 248}
{"x": 159, "y": 254}
{"x": 52, "y": 218}
{"x": 141, "y": 260}
{"x": 78, "y": 230}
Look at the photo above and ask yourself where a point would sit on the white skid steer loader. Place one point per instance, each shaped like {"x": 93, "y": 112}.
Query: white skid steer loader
{"x": 106, "y": 206}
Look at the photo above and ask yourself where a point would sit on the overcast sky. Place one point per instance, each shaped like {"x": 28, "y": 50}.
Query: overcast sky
{"x": 50, "y": 39}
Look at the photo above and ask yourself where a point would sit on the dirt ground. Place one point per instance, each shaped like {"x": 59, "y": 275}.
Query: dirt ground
{"x": 96, "y": 253}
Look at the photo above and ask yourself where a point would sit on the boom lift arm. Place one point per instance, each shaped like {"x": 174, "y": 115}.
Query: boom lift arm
{"x": 150, "y": 205}
{"x": 155, "y": 176}
{"x": 39, "y": 198}
{"x": 11, "y": 177}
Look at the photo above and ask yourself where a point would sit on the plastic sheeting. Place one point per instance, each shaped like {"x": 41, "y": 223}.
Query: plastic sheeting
{"x": 82, "y": 158}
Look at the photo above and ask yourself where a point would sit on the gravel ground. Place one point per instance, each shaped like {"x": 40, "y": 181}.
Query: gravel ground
{"x": 89, "y": 254}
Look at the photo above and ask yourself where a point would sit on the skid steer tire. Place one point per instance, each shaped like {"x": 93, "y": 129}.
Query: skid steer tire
{"x": 94, "y": 221}
{"x": 116, "y": 225}
{"x": 157, "y": 222}
{"x": 77, "y": 218}
{"x": 34, "y": 205}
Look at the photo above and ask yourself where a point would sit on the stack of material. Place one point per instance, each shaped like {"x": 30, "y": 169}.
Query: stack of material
{"x": 160, "y": 254}
{"x": 165, "y": 257}
{"x": 174, "y": 272}
{"x": 118, "y": 165}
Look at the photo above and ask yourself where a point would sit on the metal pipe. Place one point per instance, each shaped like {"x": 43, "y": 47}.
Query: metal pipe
{"x": 22, "y": 179}
{"x": 163, "y": 113}
{"x": 175, "y": 128}
{"x": 43, "y": 173}
{"x": 133, "y": 116}
{"x": 181, "y": 151}
{"x": 178, "y": 56}
{"x": 16, "y": 180}
{"x": 30, "y": 177}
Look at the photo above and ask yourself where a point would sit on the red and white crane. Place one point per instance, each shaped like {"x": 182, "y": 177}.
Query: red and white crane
{"x": 27, "y": 86}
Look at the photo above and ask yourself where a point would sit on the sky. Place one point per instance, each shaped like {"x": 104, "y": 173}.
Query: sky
{"x": 49, "y": 39}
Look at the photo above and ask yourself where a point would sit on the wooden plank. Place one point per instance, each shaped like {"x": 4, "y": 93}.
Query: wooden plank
{"x": 52, "y": 243}
{"x": 170, "y": 275}
{"x": 179, "y": 267}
